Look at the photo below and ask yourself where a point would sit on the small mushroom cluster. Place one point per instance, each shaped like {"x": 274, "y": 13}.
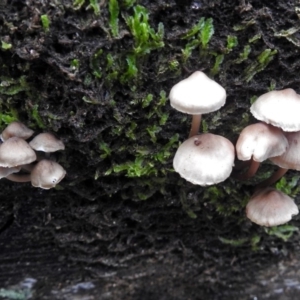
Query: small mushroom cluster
{"x": 206, "y": 159}
{"x": 29, "y": 160}
{"x": 203, "y": 159}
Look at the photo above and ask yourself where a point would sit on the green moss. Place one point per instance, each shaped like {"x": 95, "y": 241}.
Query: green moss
{"x": 45, "y": 22}
{"x": 10, "y": 86}
{"x": 216, "y": 68}
{"x": 283, "y": 232}
{"x": 5, "y": 46}
{"x": 198, "y": 37}
{"x": 290, "y": 187}
{"x": 75, "y": 64}
{"x": 234, "y": 242}
{"x": 258, "y": 65}
{"x": 94, "y": 4}
{"x": 232, "y": 42}
{"x": 37, "y": 118}
{"x": 8, "y": 117}
{"x": 145, "y": 37}
{"x": 113, "y": 7}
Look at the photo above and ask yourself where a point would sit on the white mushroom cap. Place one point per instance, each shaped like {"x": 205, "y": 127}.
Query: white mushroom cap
{"x": 279, "y": 108}
{"x": 269, "y": 207}
{"x": 291, "y": 158}
{"x": 204, "y": 159}
{"x": 197, "y": 95}
{"x": 17, "y": 129}
{"x": 15, "y": 152}
{"x": 46, "y": 142}
{"x": 260, "y": 141}
{"x": 47, "y": 174}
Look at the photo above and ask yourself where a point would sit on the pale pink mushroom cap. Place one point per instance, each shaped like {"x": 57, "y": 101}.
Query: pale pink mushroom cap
{"x": 15, "y": 152}
{"x": 291, "y": 158}
{"x": 260, "y": 141}
{"x": 204, "y": 159}
{"x": 16, "y": 129}
{"x": 46, "y": 174}
{"x": 278, "y": 108}
{"x": 269, "y": 207}
{"x": 197, "y": 94}
{"x": 46, "y": 142}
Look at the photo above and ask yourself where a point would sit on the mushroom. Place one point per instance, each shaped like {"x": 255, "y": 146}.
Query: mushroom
{"x": 270, "y": 207}
{"x": 15, "y": 152}
{"x": 47, "y": 174}
{"x": 288, "y": 160}
{"x": 279, "y": 108}
{"x": 204, "y": 159}
{"x": 197, "y": 95}
{"x": 258, "y": 142}
{"x": 46, "y": 142}
{"x": 4, "y": 172}
{"x": 16, "y": 129}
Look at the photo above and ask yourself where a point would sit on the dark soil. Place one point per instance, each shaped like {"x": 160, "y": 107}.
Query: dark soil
{"x": 109, "y": 232}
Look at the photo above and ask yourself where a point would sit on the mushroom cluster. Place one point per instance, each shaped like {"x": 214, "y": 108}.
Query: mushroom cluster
{"x": 203, "y": 159}
{"x": 21, "y": 161}
{"x": 206, "y": 159}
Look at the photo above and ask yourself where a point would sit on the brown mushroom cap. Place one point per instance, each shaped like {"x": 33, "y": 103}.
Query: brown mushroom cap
{"x": 260, "y": 141}
{"x": 291, "y": 158}
{"x": 46, "y": 142}
{"x": 204, "y": 159}
{"x": 16, "y": 129}
{"x": 15, "y": 152}
{"x": 270, "y": 207}
{"x": 279, "y": 108}
{"x": 197, "y": 94}
{"x": 47, "y": 174}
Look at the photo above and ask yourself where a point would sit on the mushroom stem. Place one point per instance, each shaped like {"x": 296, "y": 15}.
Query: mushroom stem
{"x": 196, "y": 121}
{"x": 19, "y": 178}
{"x": 254, "y": 165}
{"x": 274, "y": 177}
{"x": 28, "y": 167}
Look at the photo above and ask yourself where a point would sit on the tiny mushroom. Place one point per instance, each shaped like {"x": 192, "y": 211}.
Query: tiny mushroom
{"x": 279, "y": 108}
{"x": 15, "y": 152}
{"x": 16, "y": 129}
{"x": 47, "y": 174}
{"x": 46, "y": 142}
{"x": 204, "y": 159}
{"x": 258, "y": 142}
{"x": 270, "y": 207}
{"x": 197, "y": 95}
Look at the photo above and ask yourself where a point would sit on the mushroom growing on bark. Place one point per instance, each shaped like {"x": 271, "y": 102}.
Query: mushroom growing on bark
{"x": 270, "y": 207}
{"x": 46, "y": 142}
{"x": 15, "y": 152}
{"x": 16, "y": 129}
{"x": 290, "y": 159}
{"x": 46, "y": 174}
{"x": 204, "y": 159}
{"x": 197, "y": 95}
{"x": 281, "y": 109}
{"x": 278, "y": 108}
{"x": 258, "y": 142}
